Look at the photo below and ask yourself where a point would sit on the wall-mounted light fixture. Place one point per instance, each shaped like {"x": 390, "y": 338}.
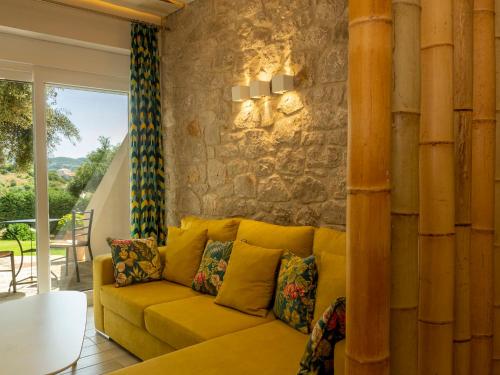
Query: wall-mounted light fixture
{"x": 240, "y": 93}
{"x": 258, "y": 89}
{"x": 282, "y": 83}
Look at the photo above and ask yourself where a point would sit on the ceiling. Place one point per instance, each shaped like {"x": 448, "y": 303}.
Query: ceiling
{"x": 160, "y": 8}
{"x": 144, "y": 10}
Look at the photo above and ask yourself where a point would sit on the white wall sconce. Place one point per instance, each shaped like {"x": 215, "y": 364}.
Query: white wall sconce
{"x": 282, "y": 83}
{"x": 240, "y": 93}
{"x": 258, "y": 89}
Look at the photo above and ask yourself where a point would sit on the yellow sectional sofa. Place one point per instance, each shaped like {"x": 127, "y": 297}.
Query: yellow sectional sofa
{"x": 179, "y": 331}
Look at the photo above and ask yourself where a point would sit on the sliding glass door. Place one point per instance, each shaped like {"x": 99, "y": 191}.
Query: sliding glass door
{"x": 64, "y": 170}
{"x": 86, "y": 133}
{"x": 17, "y": 189}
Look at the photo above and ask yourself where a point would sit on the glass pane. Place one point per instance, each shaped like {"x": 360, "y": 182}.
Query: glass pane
{"x": 17, "y": 190}
{"x": 88, "y": 200}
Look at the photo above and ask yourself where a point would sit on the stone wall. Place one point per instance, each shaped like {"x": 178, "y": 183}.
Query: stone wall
{"x": 281, "y": 159}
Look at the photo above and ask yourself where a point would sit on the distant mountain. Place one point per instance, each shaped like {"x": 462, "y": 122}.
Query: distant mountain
{"x": 63, "y": 162}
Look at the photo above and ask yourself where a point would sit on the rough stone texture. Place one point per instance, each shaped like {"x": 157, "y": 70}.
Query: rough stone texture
{"x": 281, "y": 158}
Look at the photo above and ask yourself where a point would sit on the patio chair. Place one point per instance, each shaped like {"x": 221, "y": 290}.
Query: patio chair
{"x": 80, "y": 237}
{"x": 6, "y": 254}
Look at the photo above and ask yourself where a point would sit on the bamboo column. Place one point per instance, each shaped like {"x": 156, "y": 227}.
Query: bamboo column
{"x": 482, "y": 194}
{"x": 368, "y": 178}
{"x": 496, "y": 321}
{"x": 437, "y": 216}
{"x": 404, "y": 195}
{"x": 462, "y": 31}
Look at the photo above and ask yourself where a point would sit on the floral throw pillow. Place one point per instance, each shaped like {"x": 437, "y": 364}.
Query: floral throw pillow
{"x": 135, "y": 261}
{"x": 295, "y": 291}
{"x": 213, "y": 266}
{"x": 330, "y": 329}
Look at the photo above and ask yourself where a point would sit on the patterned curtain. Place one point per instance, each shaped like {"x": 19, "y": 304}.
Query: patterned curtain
{"x": 146, "y": 151}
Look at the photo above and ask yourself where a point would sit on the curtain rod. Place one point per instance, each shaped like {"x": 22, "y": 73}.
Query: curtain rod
{"x": 121, "y": 18}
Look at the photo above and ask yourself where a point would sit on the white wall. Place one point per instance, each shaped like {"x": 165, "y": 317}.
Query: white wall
{"x": 111, "y": 202}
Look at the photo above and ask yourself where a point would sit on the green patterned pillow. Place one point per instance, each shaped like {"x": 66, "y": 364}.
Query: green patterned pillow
{"x": 320, "y": 348}
{"x": 213, "y": 266}
{"x": 295, "y": 291}
{"x": 135, "y": 261}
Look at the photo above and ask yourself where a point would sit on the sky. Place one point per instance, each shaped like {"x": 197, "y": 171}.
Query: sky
{"x": 95, "y": 114}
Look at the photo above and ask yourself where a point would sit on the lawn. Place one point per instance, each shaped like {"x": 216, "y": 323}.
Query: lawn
{"x": 12, "y": 245}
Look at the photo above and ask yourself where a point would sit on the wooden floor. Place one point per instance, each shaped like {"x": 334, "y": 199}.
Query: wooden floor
{"x": 100, "y": 355}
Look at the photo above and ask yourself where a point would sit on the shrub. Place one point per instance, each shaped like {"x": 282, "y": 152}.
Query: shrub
{"x": 23, "y": 232}
{"x": 61, "y": 202}
{"x": 17, "y": 203}
{"x": 64, "y": 224}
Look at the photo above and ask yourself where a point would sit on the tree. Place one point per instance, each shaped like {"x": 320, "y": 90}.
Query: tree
{"x": 16, "y": 124}
{"x": 89, "y": 175}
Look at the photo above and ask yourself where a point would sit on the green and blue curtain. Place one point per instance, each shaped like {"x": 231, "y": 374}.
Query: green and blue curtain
{"x": 147, "y": 173}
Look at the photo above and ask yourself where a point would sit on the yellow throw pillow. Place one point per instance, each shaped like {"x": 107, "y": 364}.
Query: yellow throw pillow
{"x": 250, "y": 279}
{"x": 183, "y": 254}
{"x": 218, "y": 229}
{"x": 331, "y": 282}
{"x": 298, "y": 240}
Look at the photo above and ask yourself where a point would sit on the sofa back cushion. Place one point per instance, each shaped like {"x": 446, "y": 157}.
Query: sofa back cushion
{"x": 331, "y": 282}
{"x": 298, "y": 240}
{"x": 330, "y": 241}
{"x": 250, "y": 279}
{"x": 218, "y": 229}
{"x": 330, "y": 251}
{"x": 183, "y": 254}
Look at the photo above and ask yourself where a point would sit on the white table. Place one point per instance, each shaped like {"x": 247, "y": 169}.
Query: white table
{"x": 42, "y": 334}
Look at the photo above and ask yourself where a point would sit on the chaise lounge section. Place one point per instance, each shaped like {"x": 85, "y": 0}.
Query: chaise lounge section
{"x": 177, "y": 330}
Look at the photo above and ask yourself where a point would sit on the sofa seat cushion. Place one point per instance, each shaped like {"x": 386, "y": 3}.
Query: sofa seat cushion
{"x": 130, "y": 302}
{"x": 268, "y": 349}
{"x": 193, "y": 320}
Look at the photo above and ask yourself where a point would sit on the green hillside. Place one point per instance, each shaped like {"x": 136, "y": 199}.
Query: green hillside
{"x": 63, "y": 162}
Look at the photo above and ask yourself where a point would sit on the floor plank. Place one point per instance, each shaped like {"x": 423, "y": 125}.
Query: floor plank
{"x": 99, "y": 355}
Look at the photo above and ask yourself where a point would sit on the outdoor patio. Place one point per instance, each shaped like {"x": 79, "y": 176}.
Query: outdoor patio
{"x": 59, "y": 279}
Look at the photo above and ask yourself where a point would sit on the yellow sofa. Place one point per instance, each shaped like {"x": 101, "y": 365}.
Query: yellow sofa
{"x": 179, "y": 331}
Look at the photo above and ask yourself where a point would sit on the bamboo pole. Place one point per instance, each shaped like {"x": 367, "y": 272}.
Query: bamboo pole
{"x": 482, "y": 193}
{"x": 462, "y": 31}
{"x": 368, "y": 178}
{"x": 404, "y": 195}
{"x": 437, "y": 216}
{"x": 496, "y": 316}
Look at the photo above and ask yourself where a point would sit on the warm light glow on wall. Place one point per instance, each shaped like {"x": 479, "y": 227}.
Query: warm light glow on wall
{"x": 264, "y": 76}
{"x": 290, "y": 99}
{"x": 287, "y": 67}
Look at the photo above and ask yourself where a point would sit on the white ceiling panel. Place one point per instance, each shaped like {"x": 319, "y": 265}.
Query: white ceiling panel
{"x": 158, "y": 7}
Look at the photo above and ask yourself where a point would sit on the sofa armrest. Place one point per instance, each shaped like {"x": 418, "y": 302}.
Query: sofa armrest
{"x": 103, "y": 275}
